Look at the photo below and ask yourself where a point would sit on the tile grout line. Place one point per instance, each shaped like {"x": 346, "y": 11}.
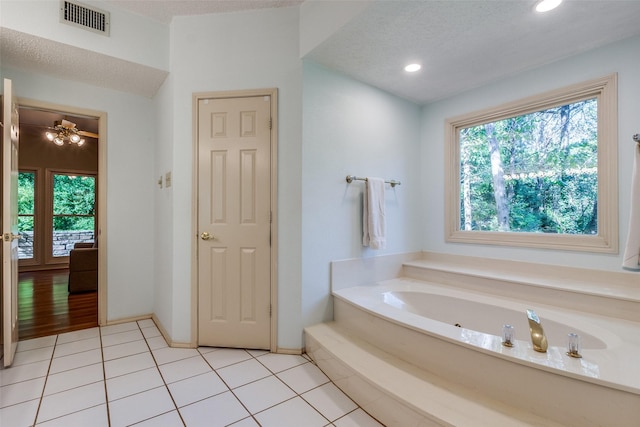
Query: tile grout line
{"x": 140, "y": 370}
{"x": 251, "y": 414}
{"x": 60, "y": 373}
{"x": 274, "y": 374}
{"x": 104, "y": 377}
{"x": 313, "y": 388}
{"x": 230, "y": 389}
{"x": 351, "y": 412}
{"x": 329, "y": 381}
{"x": 227, "y": 385}
{"x": 46, "y": 378}
{"x": 161, "y": 376}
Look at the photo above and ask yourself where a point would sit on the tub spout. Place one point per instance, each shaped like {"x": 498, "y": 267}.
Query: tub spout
{"x": 538, "y": 339}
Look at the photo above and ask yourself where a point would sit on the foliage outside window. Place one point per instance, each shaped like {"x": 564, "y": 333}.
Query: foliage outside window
{"x": 73, "y": 207}
{"x": 534, "y": 173}
{"x": 540, "y": 172}
{"x": 26, "y": 212}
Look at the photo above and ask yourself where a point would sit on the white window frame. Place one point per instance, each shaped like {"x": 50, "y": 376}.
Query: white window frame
{"x": 605, "y": 91}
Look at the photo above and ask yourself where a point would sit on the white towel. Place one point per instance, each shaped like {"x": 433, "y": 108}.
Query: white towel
{"x": 373, "y": 224}
{"x": 631, "y": 258}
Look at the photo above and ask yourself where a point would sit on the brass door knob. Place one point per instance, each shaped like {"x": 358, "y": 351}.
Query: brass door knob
{"x": 8, "y": 237}
{"x": 206, "y": 236}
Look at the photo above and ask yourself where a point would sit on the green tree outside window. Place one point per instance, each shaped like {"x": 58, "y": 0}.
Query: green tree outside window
{"x": 26, "y": 213}
{"x": 536, "y": 172}
{"x": 73, "y": 202}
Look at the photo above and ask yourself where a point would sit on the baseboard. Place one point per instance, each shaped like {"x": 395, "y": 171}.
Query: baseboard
{"x": 296, "y": 351}
{"x": 177, "y": 344}
{"x": 127, "y": 320}
{"x": 161, "y": 328}
{"x": 167, "y": 337}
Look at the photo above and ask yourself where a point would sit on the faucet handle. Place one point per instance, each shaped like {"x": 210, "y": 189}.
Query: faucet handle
{"x": 533, "y": 316}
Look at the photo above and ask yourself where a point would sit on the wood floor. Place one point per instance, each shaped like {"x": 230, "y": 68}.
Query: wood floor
{"x": 45, "y": 307}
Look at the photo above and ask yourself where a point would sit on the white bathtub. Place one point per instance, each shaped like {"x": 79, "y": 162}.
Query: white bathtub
{"x": 479, "y": 317}
{"x": 415, "y": 321}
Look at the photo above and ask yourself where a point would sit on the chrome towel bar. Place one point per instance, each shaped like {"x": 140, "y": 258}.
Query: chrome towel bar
{"x": 351, "y": 178}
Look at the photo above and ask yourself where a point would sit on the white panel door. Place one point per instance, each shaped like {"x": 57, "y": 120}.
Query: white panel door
{"x": 9, "y": 223}
{"x": 234, "y": 221}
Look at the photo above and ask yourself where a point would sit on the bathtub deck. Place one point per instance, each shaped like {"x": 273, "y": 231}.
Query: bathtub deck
{"x": 379, "y": 381}
{"x": 607, "y": 293}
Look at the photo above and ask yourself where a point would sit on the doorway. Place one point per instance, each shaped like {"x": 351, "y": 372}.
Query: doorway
{"x": 68, "y": 210}
{"x": 45, "y": 307}
{"x": 236, "y": 198}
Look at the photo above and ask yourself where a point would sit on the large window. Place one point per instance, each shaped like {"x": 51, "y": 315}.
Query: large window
{"x": 73, "y": 215}
{"x": 539, "y": 172}
{"x": 26, "y": 213}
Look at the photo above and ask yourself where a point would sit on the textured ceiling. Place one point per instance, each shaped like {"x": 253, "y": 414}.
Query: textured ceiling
{"x": 466, "y": 44}
{"x": 165, "y": 10}
{"x": 462, "y": 44}
{"x": 28, "y": 52}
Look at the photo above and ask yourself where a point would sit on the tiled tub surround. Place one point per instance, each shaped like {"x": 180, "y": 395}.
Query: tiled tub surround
{"x": 126, "y": 375}
{"x": 467, "y": 373}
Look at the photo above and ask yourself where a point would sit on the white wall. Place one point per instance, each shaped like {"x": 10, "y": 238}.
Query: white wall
{"x": 622, "y": 57}
{"x": 233, "y": 51}
{"x": 130, "y": 38}
{"x": 163, "y": 235}
{"x": 350, "y": 128}
{"x": 130, "y": 154}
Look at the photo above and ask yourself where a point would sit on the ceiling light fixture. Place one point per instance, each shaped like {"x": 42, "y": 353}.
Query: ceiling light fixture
{"x": 66, "y": 131}
{"x": 547, "y": 5}
{"x": 412, "y": 68}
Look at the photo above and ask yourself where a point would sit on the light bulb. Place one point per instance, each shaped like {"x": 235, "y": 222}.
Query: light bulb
{"x": 547, "y": 5}
{"x": 80, "y": 143}
{"x": 58, "y": 141}
{"x": 50, "y": 136}
{"x": 74, "y": 137}
{"x": 412, "y": 68}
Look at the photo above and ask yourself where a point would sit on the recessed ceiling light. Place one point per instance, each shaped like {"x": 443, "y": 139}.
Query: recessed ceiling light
{"x": 412, "y": 68}
{"x": 547, "y": 5}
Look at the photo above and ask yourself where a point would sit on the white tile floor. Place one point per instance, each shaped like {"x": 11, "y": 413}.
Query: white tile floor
{"x": 126, "y": 375}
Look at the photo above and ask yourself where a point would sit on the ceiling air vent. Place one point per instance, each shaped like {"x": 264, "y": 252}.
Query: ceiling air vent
{"x": 89, "y": 18}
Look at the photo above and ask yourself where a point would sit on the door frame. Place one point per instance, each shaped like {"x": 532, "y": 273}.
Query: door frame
{"x": 273, "y": 94}
{"x": 101, "y": 190}
{"x": 9, "y": 155}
